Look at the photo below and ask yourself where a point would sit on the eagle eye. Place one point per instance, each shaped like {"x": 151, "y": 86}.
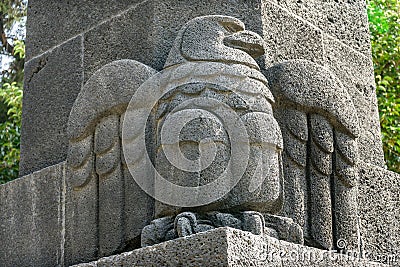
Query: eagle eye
{"x": 232, "y": 27}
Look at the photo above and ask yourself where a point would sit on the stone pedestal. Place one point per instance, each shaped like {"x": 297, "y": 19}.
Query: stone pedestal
{"x": 230, "y": 247}
{"x": 33, "y": 225}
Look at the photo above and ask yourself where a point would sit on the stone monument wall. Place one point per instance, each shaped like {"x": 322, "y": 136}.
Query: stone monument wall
{"x": 67, "y": 41}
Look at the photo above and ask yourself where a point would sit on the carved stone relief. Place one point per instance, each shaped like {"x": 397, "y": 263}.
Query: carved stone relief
{"x": 320, "y": 129}
{"x": 292, "y": 176}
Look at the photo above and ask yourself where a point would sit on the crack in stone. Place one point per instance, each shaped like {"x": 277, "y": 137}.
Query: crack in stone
{"x": 42, "y": 64}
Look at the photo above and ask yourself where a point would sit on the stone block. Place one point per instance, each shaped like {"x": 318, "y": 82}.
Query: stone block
{"x": 229, "y": 247}
{"x": 147, "y": 31}
{"x": 31, "y": 224}
{"x": 289, "y": 37}
{"x": 356, "y": 73}
{"x": 345, "y": 20}
{"x": 53, "y": 22}
{"x": 379, "y": 204}
{"x": 69, "y": 41}
{"x": 52, "y": 82}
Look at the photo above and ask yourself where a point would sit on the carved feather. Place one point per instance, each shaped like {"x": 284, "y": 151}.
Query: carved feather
{"x": 321, "y": 126}
{"x": 107, "y": 145}
{"x": 321, "y": 144}
{"x": 96, "y": 180}
{"x": 295, "y": 134}
{"x": 81, "y": 161}
{"x": 346, "y": 158}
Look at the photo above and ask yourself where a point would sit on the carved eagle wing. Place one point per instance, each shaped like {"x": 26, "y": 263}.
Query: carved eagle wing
{"x": 320, "y": 128}
{"x": 105, "y": 207}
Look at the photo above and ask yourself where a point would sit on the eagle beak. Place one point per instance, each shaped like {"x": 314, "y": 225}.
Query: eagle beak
{"x": 247, "y": 41}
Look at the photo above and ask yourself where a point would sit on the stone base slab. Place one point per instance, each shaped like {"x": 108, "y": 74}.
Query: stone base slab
{"x": 229, "y": 247}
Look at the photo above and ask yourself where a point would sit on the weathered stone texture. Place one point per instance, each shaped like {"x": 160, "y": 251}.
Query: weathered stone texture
{"x": 105, "y": 209}
{"x": 52, "y": 82}
{"x": 344, "y": 20}
{"x": 149, "y": 37}
{"x": 380, "y": 213}
{"x": 229, "y": 247}
{"x": 289, "y": 37}
{"x": 31, "y": 224}
{"x": 144, "y": 32}
{"x": 31, "y": 228}
{"x": 68, "y": 41}
{"x": 356, "y": 72}
{"x": 321, "y": 137}
{"x": 53, "y": 22}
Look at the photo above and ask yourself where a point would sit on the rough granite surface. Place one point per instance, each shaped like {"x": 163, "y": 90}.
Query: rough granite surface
{"x": 31, "y": 219}
{"x": 32, "y": 216}
{"x": 345, "y": 20}
{"x": 52, "y": 82}
{"x": 357, "y": 75}
{"x": 379, "y": 204}
{"x": 229, "y": 247}
{"x": 104, "y": 205}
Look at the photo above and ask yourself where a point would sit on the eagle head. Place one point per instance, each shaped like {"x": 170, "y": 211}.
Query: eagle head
{"x": 216, "y": 38}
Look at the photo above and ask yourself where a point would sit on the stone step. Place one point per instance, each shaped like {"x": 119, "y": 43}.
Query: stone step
{"x": 230, "y": 247}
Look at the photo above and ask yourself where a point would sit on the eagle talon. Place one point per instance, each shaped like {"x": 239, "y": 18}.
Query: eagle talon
{"x": 253, "y": 222}
{"x": 185, "y": 224}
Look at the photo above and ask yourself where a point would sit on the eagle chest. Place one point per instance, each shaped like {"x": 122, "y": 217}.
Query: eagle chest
{"x": 199, "y": 151}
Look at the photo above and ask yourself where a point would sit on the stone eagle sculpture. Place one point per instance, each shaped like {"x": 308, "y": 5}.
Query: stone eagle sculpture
{"x": 212, "y": 59}
{"x": 211, "y": 67}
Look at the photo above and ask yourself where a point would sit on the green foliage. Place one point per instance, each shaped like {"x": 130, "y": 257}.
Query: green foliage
{"x": 10, "y": 129}
{"x": 11, "y": 95}
{"x": 12, "y": 14}
{"x": 384, "y": 17}
{"x": 14, "y": 10}
{"x": 19, "y": 49}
